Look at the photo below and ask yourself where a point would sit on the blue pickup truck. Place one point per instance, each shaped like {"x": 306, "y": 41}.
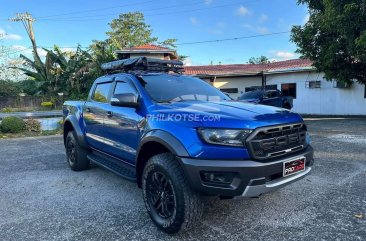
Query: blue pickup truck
{"x": 179, "y": 139}
{"x": 268, "y": 97}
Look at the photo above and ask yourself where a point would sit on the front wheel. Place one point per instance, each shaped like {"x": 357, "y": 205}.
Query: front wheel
{"x": 170, "y": 202}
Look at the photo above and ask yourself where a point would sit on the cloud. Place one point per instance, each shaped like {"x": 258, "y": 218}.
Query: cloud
{"x": 190, "y": 62}
{"x": 243, "y": 11}
{"x": 247, "y": 26}
{"x": 306, "y": 19}
{"x": 187, "y": 61}
{"x": 263, "y": 18}
{"x": 41, "y": 52}
{"x": 282, "y": 55}
{"x": 258, "y": 29}
{"x": 208, "y": 2}
{"x": 9, "y": 36}
{"x": 218, "y": 29}
{"x": 67, "y": 49}
{"x": 193, "y": 20}
{"x": 28, "y": 51}
{"x": 18, "y": 47}
{"x": 262, "y": 30}
{"x": 220, "y": 24}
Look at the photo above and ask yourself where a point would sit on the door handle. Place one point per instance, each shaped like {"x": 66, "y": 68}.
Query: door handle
{"x": 109, "y": 114}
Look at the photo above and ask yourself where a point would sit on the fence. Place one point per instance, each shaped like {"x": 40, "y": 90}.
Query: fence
{"x": 25, "y": 102}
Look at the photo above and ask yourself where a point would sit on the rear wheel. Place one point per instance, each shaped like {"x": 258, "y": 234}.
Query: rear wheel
{"x": 170, "y": 202}
{"x": 76, "y": 155}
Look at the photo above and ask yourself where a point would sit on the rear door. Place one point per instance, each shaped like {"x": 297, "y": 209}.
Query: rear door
{"x": 121, "y": 124}
{"x": 94, "y": 112}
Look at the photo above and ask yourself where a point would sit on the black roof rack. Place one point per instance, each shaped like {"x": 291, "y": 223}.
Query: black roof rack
{"x": 144, "y": 64}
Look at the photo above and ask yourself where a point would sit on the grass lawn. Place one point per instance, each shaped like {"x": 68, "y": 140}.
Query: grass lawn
{"x": 29, "y": 134}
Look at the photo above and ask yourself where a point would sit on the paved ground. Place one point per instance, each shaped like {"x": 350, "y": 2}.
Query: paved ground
{"x": 42, "y": 199}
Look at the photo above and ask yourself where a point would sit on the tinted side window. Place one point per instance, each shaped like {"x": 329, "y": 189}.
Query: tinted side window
{"x": 272, "y": 94}
{"x": 123, "y": 88}
{"x": 101, "y": 92}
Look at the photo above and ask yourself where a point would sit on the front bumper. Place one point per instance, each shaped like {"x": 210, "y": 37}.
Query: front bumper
{"x": 248, "y": 178}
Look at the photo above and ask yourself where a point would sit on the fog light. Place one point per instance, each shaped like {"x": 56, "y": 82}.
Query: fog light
{"x": 214, "y": 177}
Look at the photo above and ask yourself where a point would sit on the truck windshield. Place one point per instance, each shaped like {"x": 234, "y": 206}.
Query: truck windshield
{"x": 251, "y": 95}
{"x": 175, "y": 88}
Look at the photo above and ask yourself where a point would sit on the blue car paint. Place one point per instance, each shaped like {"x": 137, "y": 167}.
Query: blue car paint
{"x": 139, "y": 122}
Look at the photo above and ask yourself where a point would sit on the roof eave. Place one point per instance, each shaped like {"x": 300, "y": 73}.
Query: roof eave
{"x": 226, "y": 75}
{"x": 291, "y": 70}
{"x": 145, "y": 51}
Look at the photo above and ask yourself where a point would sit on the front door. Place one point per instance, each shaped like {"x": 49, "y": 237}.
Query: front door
{"x": 121, "y": 124}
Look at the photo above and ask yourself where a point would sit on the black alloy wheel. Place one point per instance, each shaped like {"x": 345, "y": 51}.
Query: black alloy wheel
{"x": 161, "y": 196}
{"x": 71, "y": 152}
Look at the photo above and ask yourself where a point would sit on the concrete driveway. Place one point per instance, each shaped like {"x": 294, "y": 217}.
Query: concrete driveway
{"x": 42, "y": 199}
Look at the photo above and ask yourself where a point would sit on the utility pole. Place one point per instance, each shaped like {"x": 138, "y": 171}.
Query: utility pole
{"x": 27, "y": 21}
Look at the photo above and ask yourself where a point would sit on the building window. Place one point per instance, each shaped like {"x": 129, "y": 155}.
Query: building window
{"x": 230, "y": 90}
{"x": 252, "y": 88}
{"x": 313, "y": 84}
{"x": 289, "y": 90}
{"x": 341, "y": 85}
{"x": 271, "y": 87}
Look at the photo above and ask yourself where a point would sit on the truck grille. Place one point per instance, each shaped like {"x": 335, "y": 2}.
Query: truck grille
{"x": 274, "y": 141}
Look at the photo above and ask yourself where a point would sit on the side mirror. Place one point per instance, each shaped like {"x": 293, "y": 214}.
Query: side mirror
{"x": 125, "y": 100}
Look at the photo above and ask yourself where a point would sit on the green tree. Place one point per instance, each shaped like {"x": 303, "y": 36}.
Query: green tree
{"x": 8, "y": 88}
{"x": 28, "y": 86}
{"x": 259, "y": 60}
{"x": 334, "y": 38}
{"x": 129, "y": 30}
{"x": 169, "y": 43}
{"x": 67, "y": 72}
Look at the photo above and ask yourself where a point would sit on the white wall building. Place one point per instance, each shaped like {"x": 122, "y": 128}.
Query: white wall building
{"x": 297, "y": 78}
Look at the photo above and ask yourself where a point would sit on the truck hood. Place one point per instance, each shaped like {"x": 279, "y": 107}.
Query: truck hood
{"x": 228, "y": 114}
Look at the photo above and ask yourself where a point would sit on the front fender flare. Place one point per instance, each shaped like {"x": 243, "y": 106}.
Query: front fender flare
{"x": 167, "y": 140}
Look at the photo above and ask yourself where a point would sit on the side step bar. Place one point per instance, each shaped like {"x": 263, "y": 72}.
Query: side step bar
{"x": 116, "y": 166}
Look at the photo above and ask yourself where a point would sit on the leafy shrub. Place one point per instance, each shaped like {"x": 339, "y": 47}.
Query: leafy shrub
{"x": 60, "y": 123}
{"x": 7, "y": 110}
{"x": 32, "y": 125}
{"x": 47, "y": 104}
{"x": 12, "y": 124}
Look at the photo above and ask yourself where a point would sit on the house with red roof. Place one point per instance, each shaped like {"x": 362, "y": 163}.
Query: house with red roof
{"x": 147, "y": 50}
{"x": 311, "y": 93}
{"x": 297, "y": 78}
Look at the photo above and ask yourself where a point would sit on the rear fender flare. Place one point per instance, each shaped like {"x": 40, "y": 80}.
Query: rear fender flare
{"x": 80, "y": 135}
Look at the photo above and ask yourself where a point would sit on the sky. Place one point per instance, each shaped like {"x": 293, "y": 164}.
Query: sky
{"x": 68, "y": 23}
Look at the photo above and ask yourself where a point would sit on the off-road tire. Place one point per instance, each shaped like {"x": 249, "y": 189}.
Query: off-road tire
{"x": 76, "y": 155}
{"x": 188, "y": 206}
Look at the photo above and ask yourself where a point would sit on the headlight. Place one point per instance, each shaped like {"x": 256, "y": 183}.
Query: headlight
{"x": 228, "y": 137}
